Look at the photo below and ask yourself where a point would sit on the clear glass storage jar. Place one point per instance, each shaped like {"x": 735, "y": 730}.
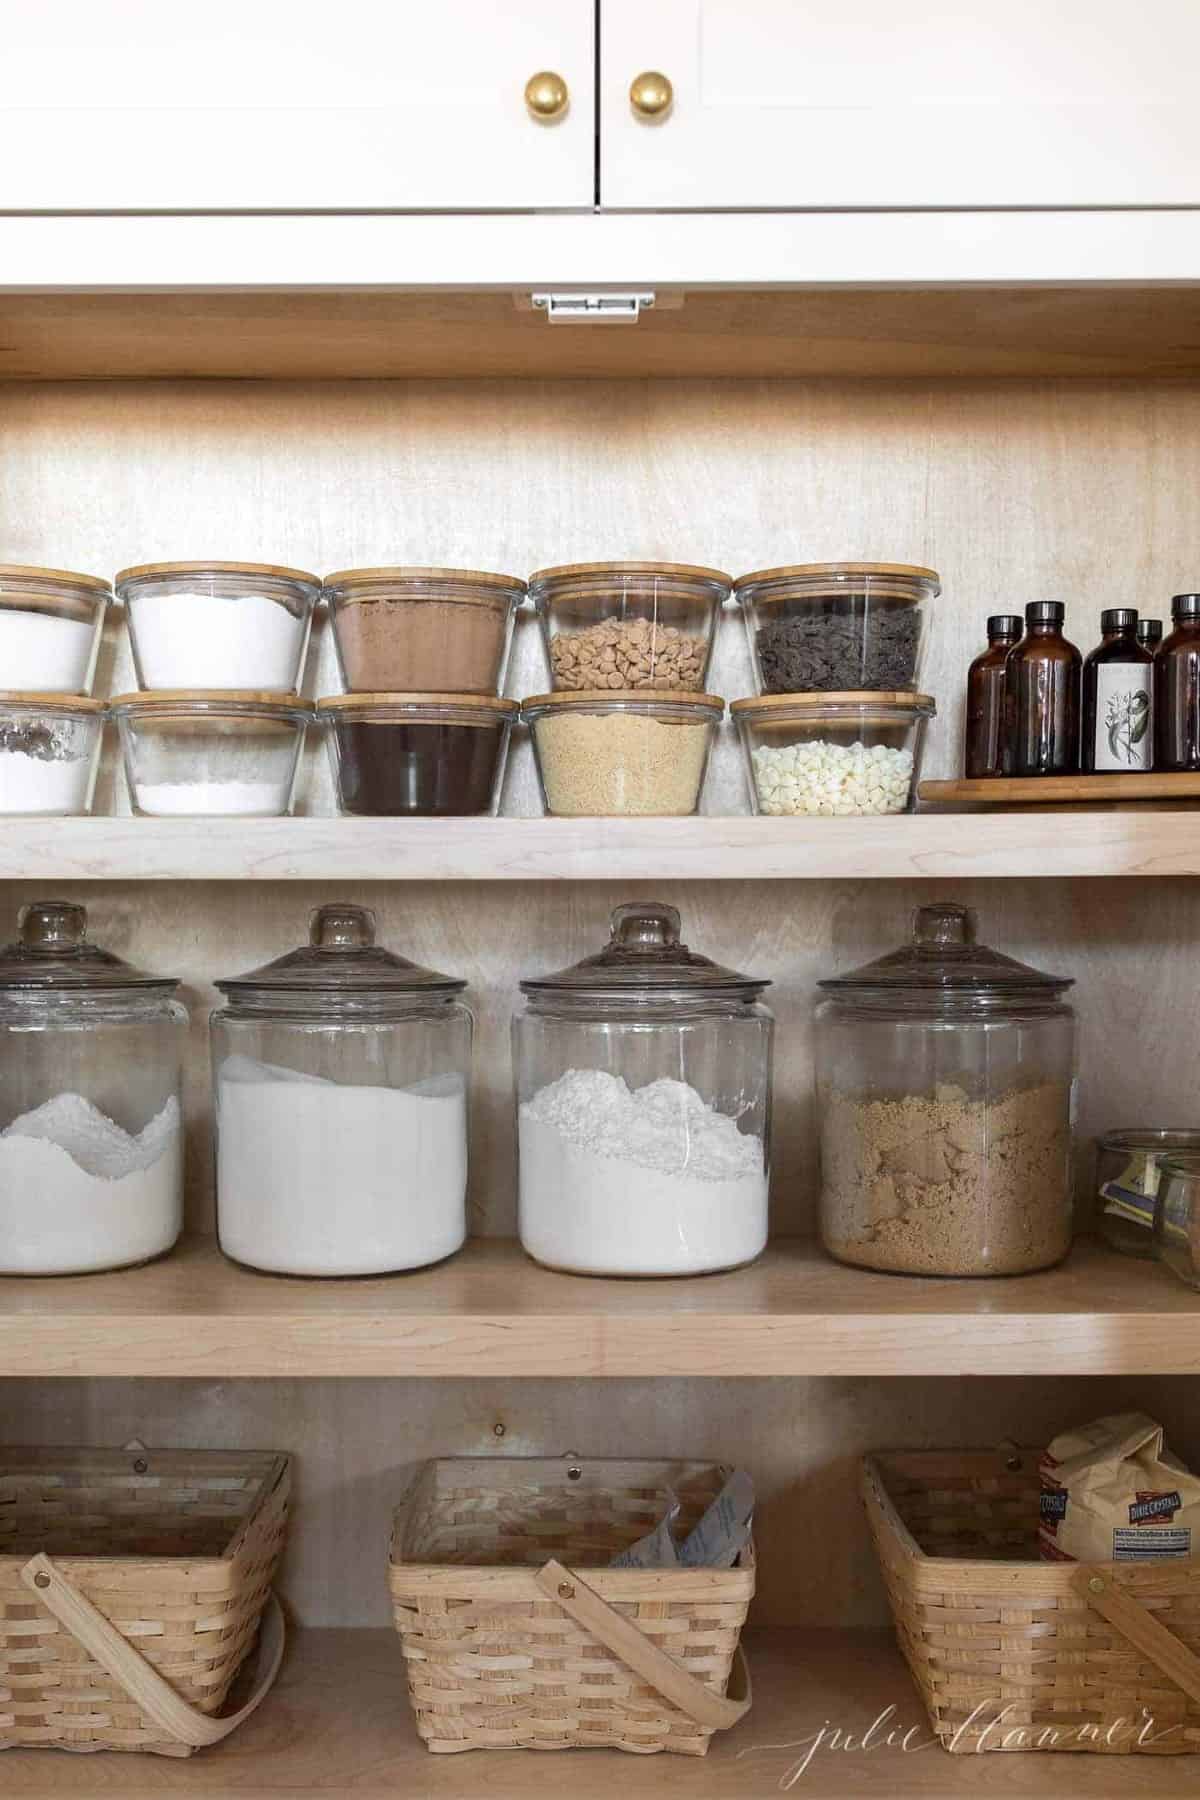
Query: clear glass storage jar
{"x": 1177, "y": 1215}
{"x": 219, "y": 624}
{"x": 406, "y": 631}
{"x": 628, "y": 624}
{"x": 833, "y": 755}
{"x": 419, "y": 755}
{"x": 945, "y": 1098}
{"x": 340, "y": 1077}
{"x": 630, "y": 755}
{"x": 836, "y": 627}
{"x": 50, "y": 625}
{"x": 643, "y": 1089}
{"x": 49, "y": 753}
{"x": 1128, "y": 1171}
{"x": 91, "y": 1128}
{"x": 211, "y": 754}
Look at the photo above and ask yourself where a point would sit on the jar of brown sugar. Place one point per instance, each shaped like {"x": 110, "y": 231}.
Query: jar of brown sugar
{"x": 945, "y": 1096}
{"x": 420, "y": 630}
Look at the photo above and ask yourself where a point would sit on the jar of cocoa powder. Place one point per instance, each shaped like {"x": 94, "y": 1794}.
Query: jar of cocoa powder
{"x": 419, "y": 630}
{"x": 395, "y": 755}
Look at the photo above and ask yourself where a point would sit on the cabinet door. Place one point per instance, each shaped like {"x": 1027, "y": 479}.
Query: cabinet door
{"x": 845, "y": 103}
{"x": 132, "y": 105}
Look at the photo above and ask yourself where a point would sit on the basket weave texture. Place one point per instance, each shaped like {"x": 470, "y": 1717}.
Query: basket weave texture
{"x": 180, "y": 1558}
{"x": 1006, "y": 1649}
{"x": 493, "y": 1663}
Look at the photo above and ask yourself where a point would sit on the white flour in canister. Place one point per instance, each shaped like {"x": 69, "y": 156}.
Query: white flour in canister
{"x": 205, "y": 799}
{"x": 648, "y": 1181}
{"x": 216, "y": 641}
{"x": 78, "y": 1193}
{"x": 318, "y": 1178}
{"x": 41, "y": 785}
{"x": 43, "y": 653}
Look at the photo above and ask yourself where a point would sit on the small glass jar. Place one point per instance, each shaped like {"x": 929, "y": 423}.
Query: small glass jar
{"x": 1128, "y": 1171}
{"x": 833, "y": 755}
{"x": 609, "y": 755}
{"x": 628, "y": 624}
{"x": 643, "y": 1078}
{"x": 946, "y": 1100}
{"x": 411, "y": 631}
{"x": 91, "y": 1127}
{"x": 50, "y": 625}
{"x": 1177, "y": 1215}
{"x": 218, "y": 625}
{"x": 211, "y": 755}
{"x": 341, "y": 1075}
{"x": 432, "y": 755}
{"x": 49, "y": 754}
{"x": 837, "y": 627}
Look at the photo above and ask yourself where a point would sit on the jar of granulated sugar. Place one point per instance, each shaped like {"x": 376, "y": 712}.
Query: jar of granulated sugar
{"x": 643, "y": 1079}
{"x": 340, "y": 1075}
{"x": 91, "y": 1133}
{"x": 946, "y": 1104}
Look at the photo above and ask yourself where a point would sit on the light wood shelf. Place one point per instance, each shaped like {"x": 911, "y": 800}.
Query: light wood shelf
{"x": 490, "y": 1311}
{"x": 1140, "y": 841}
{"x": 338, "y": 1723}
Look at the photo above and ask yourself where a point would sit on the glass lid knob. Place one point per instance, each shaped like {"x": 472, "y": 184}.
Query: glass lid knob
{"x": 944, "y": 925}
{"x": 52, "y": 926}
{"x": 645, "y": 925}
{"x": 341, "y": 928}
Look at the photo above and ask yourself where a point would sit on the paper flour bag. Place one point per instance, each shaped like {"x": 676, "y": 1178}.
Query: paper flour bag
{"x": 1111, "y": 1492}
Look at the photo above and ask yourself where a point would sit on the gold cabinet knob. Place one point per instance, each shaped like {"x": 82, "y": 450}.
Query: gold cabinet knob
{"x": 651, "y": 95}
{"x": 547, "y": 95}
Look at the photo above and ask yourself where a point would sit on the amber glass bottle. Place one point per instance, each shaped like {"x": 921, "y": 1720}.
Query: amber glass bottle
{"x": 1177, "y": 689}
{"x": 1150, "y": 634}
{"x": 1041, "y": 696}
{"x": 1117, "y": 700}
{"x": 983, "y": 746}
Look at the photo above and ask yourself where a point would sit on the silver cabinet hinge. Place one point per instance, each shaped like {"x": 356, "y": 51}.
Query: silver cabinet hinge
{"x": 593, "y": 309}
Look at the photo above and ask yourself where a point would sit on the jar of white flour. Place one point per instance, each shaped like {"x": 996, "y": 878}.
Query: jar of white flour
{"x": 340, "y": 1076}
{"x": 643, "y": 1081}
{"x": 218, "y": 624}
{"x": 91, "y": 1132}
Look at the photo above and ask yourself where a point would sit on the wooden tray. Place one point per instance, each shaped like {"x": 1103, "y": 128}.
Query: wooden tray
{"x": 1058, "y": 790}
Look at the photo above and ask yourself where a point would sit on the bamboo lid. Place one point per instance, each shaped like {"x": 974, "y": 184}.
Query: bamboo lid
{"x": 260, "y": 697}
{"x": 683, "y": 571}
{"x": 647, "y": 698}
{"x": 29, "y": 572}
{"x": 462, "y": 702}
{"x": 275, "y": 571}
{"x": 70, "y": 703}
{"x": 837, "y": 570}
{"x": 500, "y": 586}
{"x": 864, "y": 698}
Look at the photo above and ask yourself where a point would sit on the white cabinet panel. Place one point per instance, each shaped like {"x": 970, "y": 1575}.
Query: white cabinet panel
{"x": 291, "y": 104}
{"x": 848, "y": 103}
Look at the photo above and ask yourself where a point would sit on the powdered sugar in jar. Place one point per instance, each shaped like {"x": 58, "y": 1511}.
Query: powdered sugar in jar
{"x": 218, "y": 625}
{"x": 50, "y": 623}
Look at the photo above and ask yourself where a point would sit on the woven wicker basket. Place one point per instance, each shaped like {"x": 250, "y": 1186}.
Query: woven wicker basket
{"x": 508, "y": 1649}
{"x": 131, "y": 1589}
{"x": 1011, "y": 1653}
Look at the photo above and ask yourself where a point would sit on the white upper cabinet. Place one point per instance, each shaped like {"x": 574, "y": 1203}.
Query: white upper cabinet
{"x": 866, "y": 103}
{"x": 130, "y": 105}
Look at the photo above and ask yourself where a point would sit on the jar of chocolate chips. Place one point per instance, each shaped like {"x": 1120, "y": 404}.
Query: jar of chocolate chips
{"x": 837, "y": 627}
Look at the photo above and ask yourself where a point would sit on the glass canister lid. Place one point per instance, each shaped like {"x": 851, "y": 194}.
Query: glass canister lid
{"x": 944, "y": 964}
{"x": 52, "y": 952}
{"x": 645, "y": 957}
{"x": 342, "y": 958}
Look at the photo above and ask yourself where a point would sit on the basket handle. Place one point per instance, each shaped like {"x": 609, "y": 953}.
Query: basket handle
{"x": 1142, "y": 1629}
{"x": 143, "y": 1683}
{"x": 634, "y": 1648}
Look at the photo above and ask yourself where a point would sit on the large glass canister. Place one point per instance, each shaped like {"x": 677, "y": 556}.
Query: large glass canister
{"x": 945, "y": 1097}
{"x": 91, "y": 1127}
{"x": 340, "y": 1077}
{"x": 643, "y": 1080}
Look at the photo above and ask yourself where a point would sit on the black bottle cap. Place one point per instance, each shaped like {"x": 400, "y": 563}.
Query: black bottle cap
{"x": 1185, "y": 606}
{"x": 1004, "y": 625}
{"x": 1149, "y": 631}
{"x": 1118, "y": 618}
{"x": 1045, "y": 612}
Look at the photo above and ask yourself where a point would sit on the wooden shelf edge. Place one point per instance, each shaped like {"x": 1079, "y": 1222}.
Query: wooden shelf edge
{"x": 1137, "y": 842}
{"x": 339, "y": 1722}
{"x": 492, "y": 1312}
